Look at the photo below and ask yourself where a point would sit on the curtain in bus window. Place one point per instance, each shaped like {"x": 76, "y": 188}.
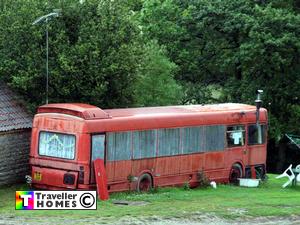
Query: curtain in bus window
{"x": 144, "y": 144}
{"x": 98, "y": 146}
{"x": 168, "y": 142}
{"x": 214, "y": 138}
{"x": 235, "y": 136}
{"x": 256, "y": 135}
{"x": 119, "y": 146}
{"x": 57, "y": 145}
{"x": 192, "y": 139}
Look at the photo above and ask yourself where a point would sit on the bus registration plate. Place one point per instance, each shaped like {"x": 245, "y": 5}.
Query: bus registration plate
{"x": 37, "y": 176}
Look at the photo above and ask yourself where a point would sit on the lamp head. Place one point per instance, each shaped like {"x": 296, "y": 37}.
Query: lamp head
{"x": 45, "y": 18}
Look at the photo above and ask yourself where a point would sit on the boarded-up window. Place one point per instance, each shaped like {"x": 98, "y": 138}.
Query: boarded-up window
{"x": 168, "y": 142}
{"x": 118, "y": 146}
{"x": 214, "y": 138}
{"x": 144, "y": 144}
{"x": 191, "y": 139}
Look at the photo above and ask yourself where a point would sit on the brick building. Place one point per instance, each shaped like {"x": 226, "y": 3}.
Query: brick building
{"x": 15, "y": 128}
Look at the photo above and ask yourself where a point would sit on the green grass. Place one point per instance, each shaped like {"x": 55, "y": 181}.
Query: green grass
{"x": 270, "y": 199}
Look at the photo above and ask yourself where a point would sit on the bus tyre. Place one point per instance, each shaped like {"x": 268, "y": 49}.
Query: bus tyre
{"x": 144, "y": 183}
{"x": 235, "y": 173}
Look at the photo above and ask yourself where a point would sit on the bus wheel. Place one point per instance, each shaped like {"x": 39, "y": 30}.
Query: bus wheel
{"x": 144, "y": 183}
{"x": 235, "y": 173}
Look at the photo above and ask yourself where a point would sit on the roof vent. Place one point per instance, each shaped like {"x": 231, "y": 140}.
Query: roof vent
{"x": 84, "y": 111}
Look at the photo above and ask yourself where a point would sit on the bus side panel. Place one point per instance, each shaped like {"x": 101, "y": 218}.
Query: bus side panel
{"x": 118, "y": 174}
{"x": 258, "y": 154}
{"x": 198, "y": 162}
{"x": 122, "y": 169}
{"x": 167, "y": 166}
{"x": 219, "y": 175}
{"x": 233, "y": 155}
{"x": 214, "y": 160}
{"x": 142, "y": 166}
{"x": 83, "y": 148}
{"x": 109, "y": 166}
{"x": 185, "y": 163}
{"x": 34, "y": 142}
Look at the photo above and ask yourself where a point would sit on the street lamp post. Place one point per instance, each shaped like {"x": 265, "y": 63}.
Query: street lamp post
{"x": 45, "y": 19}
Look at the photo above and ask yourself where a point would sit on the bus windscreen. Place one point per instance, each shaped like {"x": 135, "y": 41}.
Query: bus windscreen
{"x": 57, "y": 145}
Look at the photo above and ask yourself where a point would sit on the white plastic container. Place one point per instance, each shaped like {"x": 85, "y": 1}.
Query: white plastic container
{"x": 247, "y": 182}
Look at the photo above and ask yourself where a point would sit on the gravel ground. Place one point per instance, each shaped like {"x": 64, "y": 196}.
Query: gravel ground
{"x": 197, "y": 219}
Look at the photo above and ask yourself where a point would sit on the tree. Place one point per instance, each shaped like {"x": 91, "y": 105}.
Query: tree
{"x": 96, "y": 56}
{"x": 270, "y": 60}
{"x": 156, "y": 85}
{"x": 153, "y": 52}
{"x": 238, "y": 45}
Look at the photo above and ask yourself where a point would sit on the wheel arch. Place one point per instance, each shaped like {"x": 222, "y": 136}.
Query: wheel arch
{"x": 236, "y": 171}
{"x": 150, "y": 173}
{"x": 240, "y": 163}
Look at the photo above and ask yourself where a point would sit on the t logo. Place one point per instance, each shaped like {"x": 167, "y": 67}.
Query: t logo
{"x": 24, "y": 199}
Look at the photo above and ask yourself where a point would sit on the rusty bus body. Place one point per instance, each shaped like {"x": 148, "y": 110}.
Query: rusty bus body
{"x": 146, "y": 147}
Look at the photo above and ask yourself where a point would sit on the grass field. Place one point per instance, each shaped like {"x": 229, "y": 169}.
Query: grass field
{"x": 227, "y": 201}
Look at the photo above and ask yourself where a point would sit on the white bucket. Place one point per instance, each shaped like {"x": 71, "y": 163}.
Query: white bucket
{"x": 247, "y": 182}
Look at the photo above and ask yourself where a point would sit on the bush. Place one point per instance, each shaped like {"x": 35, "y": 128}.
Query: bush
{"x": 203, "y": 181}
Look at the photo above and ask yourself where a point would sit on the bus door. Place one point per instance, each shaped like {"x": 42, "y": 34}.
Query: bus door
{"x": 256, "y": 144}
{"x": 98, "y": 151}
{"x": 236, "y": 144}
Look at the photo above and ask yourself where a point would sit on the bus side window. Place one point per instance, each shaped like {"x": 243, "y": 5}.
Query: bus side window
{"x": 191, "y": 140}
{"x": 256, "y": 136}
{"x": 144, "y": 144}
{"x": 98, "y": 146}
{"x": 119, "y": 146}
{"x": 169, "y": 142}
{"x": 213, "y": 138}
{"x": 235, "y": 136}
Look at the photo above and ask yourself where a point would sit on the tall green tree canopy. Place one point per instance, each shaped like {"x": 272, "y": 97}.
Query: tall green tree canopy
{"x": 96, "y": 53}
{"x": 239, "y": 46}
{"x": 157, "y": 52}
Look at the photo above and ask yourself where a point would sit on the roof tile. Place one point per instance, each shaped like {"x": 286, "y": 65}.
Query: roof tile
{"x": 12, "y": 115}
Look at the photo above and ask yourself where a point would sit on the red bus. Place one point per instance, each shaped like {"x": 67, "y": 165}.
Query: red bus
{"x": 146, "y": 147}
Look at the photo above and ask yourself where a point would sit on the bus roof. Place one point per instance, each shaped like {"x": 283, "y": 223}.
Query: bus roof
{"x": 107, "y": 120}
{"x": 181, "y": 109}
{"x": 86, "y": 111}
